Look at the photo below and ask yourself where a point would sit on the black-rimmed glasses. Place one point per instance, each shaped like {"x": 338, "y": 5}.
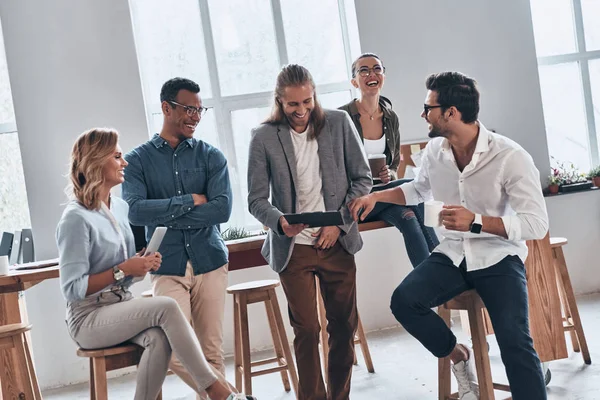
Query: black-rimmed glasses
{"x": 427, "y": 107}
{"x": 191, "y": 110}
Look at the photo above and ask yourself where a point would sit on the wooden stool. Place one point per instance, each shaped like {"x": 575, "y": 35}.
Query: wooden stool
{"x": 471, "y": 302}
{"x": 12, "y": 338}
{"x": 109, "y": 359}
{"x": 360, "y": 337}
{"x": 571, "y": 319}
{"x": 255, "y": 292}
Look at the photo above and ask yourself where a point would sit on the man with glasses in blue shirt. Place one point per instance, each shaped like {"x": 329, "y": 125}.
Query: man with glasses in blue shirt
{"x": 180, "y": 182}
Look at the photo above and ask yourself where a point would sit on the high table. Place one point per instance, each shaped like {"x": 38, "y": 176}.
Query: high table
{"x": 13, "y": 310}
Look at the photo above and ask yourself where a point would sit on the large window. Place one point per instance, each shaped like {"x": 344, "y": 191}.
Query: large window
{"x": 14, "y": 211}
{"x": 567, "y": 38}
{"x": 234, "y": 50}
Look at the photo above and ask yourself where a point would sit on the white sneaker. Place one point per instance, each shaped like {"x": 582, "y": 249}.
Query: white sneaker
{"x": 464, "y": 371}
{"x": 240, "y": 396}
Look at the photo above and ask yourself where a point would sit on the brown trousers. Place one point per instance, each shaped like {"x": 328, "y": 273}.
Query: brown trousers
{"x": 337, "y": 274}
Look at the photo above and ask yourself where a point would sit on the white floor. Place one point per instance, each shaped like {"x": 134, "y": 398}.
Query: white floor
{"x": 403, "y": 370}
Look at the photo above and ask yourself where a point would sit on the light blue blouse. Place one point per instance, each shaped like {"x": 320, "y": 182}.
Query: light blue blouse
{"x": 88, "y": 243}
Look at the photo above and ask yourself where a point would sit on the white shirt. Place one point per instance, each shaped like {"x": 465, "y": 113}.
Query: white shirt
{"x": 374, "y": 146}
{"x": 309, "y": 188}
{"x": 500, "y": 181}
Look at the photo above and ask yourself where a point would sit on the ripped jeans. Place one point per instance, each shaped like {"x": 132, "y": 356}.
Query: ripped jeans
{"x": 419, "y": 239}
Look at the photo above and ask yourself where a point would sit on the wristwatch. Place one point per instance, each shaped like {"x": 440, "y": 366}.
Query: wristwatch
{"x": 477, "y": 224}
{"x": 118, "y": 274}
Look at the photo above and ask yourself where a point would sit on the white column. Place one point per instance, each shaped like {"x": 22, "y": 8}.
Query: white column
{"x": 72, "y": 66}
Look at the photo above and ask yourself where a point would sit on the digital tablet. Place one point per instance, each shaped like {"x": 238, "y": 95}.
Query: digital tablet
{"x": 315, "y": 219}
{"x": 156, "y": 240}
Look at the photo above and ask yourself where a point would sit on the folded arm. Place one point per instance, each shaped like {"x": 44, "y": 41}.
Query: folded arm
{"x": 144, "y": 211}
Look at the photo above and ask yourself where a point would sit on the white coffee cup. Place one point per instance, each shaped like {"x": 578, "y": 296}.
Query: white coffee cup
{"x": 3, "y": 265}
{"x": 433, "y": 217}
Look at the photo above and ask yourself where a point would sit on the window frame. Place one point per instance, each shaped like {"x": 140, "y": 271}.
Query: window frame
{"x": 582, "y": 57}
{"x": 8, "y": 127}
{"x": 223, "y": 106}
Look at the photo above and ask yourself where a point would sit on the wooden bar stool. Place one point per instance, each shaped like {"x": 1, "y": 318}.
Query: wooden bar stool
{"x": 571, "y": 318}
{"x": 256, "y": 292}
{"x": 472, "y": 303}
{"x": 12, "y": 338}
{"x": 360, "y": 337}
{"x": 109, "y": 359}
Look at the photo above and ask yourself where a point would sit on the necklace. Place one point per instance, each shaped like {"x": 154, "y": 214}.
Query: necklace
{"x": 371, "y": 115}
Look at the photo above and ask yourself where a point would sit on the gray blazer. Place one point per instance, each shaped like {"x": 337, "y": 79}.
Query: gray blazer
{"x": 272, "y": 172}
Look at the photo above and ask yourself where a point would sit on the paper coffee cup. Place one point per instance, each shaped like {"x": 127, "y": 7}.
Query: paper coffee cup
{"x": 433, "y": 217}
{"x": 376, "y": 162}
{"x": 3, "y": 265}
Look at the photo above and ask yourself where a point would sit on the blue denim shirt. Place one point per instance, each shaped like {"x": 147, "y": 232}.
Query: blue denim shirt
{"x": 159, "y": 182}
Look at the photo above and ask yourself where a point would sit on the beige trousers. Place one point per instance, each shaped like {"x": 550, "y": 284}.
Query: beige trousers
{"x": 202, "y": 300}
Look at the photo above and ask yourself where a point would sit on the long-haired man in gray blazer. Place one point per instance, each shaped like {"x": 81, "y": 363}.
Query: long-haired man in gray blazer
{"x": 302, "y": 159}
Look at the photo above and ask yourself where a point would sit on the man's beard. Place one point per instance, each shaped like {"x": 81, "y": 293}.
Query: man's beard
{"x": 436, "y": 132}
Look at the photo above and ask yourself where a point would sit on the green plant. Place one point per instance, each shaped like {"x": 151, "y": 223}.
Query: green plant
{"x": 594, "y": 172}
{"x": 234, "y": 233}
{"x": 554, "y": 180}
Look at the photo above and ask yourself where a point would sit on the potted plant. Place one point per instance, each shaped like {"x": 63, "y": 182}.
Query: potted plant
{"x": 235, "y": 233}
{"x": 570, "y": 178}
{"x": 554, "y": 182}
{"x": 594, "y": 175}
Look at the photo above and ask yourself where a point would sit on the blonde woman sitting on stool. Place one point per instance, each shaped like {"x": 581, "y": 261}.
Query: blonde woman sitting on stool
{"x": 98, "y": 265}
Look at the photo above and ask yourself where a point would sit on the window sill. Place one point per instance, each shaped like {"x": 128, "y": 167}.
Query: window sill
{"x": 547, "y": 194}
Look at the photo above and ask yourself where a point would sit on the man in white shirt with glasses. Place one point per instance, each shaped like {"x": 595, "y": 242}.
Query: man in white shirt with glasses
{"x": 493, "y": 204}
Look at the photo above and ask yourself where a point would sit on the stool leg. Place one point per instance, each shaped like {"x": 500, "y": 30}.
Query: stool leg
{"x": 444, "y": 376}
{"x": 277, "y": 345}
{"x": 159, "y": 397}
{"x": 322, "y": 314}
{"x": 31, "y": 368}
{"x": 274, "y": 304}
{"x": 568, "y": 317}
{"x": 22, "y": 368}
{"x": 246, "y": 360}
{"x": 364, "y": 346}
{"x": 561, "y": 266}
{"x": 237, "y": 339}
{"x": 482, "y": 359}
{"x": 92, "y": 381}
{"x": 100, "y": 383}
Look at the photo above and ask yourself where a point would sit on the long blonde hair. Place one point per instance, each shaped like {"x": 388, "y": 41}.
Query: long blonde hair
{"x": 90, "y": 152}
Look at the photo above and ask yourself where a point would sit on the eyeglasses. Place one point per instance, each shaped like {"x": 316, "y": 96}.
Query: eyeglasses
{"x": 191, "y": 110}
{"x": 427, "y": 107}
{"x": 365, "y": 71}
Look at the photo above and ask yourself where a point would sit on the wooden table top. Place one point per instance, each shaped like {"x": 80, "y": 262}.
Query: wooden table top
{"x": 24, "y": 276}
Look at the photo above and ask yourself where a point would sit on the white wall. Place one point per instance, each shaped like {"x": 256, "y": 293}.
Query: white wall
{"x": 72, "y": 66}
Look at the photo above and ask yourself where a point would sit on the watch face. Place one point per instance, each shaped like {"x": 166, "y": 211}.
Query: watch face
{"x": 476, "y": 228}
{"x": 118, "y": 274}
